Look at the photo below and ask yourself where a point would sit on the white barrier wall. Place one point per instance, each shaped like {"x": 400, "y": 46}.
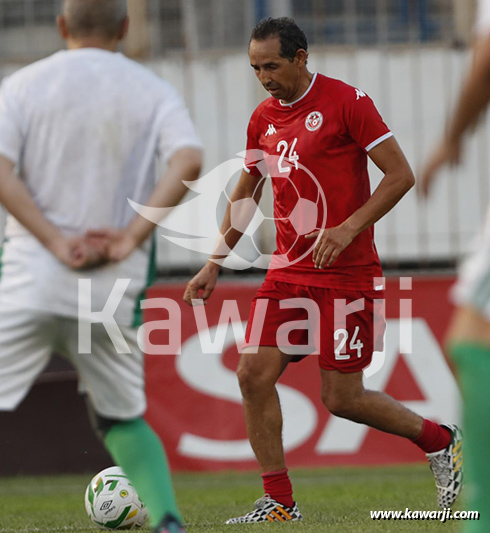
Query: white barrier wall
{"x": 412, "y": 88}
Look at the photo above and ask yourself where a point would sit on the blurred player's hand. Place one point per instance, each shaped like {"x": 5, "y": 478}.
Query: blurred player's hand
{"x": 118, "y": 244}
{"x": 204, "y": 280}
{"x": 330, "y": 243}
{"x": 447, "y": 153}
{"x": 77, "y": 253}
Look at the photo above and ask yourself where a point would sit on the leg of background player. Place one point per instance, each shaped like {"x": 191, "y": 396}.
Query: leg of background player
{"x": 138, "y": 451}
{"x": 470, "y": 349}
{"x": 257, "y": 375}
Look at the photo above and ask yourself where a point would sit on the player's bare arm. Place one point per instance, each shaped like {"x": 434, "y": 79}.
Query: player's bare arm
{"x": 473, "y": 100}
{"x": 248, "y": 186}
{"x": 397, "y": 181}
{"x": 184, "y": 166}
{"x": 14, "y": 196}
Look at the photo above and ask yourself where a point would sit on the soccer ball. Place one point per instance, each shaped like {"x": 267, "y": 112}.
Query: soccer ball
{"x": 112, "y": 503}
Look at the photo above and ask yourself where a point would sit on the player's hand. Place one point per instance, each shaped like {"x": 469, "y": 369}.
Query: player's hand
{"x": 448, "y": 153}
{"x": 330, "y": 243}
{"x": 204, "y": 280}
{"x": 77, "y": 253}
{"x": 118, "y": 244}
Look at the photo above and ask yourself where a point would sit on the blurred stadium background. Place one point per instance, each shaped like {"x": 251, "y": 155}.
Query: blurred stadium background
{"x": 408, "y": 55}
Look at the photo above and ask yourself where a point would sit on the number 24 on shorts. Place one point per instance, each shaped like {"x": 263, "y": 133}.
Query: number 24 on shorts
{"x": 341, "y": 336}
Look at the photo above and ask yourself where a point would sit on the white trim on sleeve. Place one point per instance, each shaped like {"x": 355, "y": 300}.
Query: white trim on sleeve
{"x": 246, "y": 169}
{"x": 379, "y": 141}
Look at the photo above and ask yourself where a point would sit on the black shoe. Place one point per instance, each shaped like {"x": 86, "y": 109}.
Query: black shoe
{"x": 169, "y": 524}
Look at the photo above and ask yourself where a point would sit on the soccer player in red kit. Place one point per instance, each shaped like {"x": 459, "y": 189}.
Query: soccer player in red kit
{"x": 315, "y": 125}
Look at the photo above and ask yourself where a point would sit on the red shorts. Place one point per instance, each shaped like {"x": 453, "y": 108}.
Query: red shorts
{"x": 343, "y": 327}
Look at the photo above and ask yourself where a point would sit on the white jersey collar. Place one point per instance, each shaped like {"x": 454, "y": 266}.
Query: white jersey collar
{"x": 290, "y": 104}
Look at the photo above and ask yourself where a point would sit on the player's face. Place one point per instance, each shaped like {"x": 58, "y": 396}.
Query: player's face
{"x": 279, "y": 76}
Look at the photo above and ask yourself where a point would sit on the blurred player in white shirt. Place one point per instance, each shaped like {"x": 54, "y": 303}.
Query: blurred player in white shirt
{"x": 81, "y": 132}
{"x": 469, "y": 333}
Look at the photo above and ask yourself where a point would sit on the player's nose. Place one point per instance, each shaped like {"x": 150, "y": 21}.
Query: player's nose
{"x": 263, "y": 78}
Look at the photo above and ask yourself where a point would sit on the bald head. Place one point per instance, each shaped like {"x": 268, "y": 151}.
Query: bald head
{"x": 95, "y": 18}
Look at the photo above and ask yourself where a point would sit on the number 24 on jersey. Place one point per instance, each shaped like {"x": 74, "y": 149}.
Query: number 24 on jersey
{"x": 293, "y": 157}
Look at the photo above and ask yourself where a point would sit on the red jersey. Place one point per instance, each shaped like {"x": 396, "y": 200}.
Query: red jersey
{"x": 316, "y": 149}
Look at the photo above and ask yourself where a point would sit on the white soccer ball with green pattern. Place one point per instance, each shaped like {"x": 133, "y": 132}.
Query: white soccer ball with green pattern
{"x": 112, "y": 503}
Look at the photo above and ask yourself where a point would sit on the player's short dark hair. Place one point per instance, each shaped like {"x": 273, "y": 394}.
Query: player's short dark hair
{"x": 291, "y": 36}
{"x": 103, "y": 18}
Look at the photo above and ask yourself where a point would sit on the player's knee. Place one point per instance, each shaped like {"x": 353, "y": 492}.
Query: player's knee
{"x": 253, "y": 380}
{"x": 341, "y": 405}
{"x": 249, "y": 383}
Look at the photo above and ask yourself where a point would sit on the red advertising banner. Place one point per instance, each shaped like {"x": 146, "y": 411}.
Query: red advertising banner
{"x": 195, "y": 402}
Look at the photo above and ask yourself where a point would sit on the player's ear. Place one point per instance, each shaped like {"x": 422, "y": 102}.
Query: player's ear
{"x": 62, "y": 27}
{"x": 124, "y": 29}
{"x": 301, "y": 57}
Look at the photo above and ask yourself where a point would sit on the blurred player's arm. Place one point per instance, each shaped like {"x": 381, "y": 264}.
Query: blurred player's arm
{"x": 475, "y": 95}
{"x": 248, "y": 186}
{"x": 397, "y": 181}
{"x": 17, "y": 200}
{"x": 473, "y": 100}
{"x": 184, "y": 165}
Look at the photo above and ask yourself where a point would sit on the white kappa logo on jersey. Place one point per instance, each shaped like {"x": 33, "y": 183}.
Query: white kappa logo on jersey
{"x": 270, "y": 130}
{"x": 314, "y": 120}
{"x": 360, "y": 94}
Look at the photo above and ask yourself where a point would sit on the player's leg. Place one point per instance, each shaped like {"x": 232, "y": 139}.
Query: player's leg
{"x": 114, "y": 384}
{"x": 138, "y": 450}
{"x": 344, "y": 395}
{"x": 347, "y": 343}
{"x": 257, "y": 376}
{"x": 260, "y": 366}
{"x": 26, "y": 344}
{"x": 469, "y": 346}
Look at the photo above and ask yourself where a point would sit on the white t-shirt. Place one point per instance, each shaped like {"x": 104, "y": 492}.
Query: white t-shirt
{"x": 482, "y": 21}
{"x": 85, "y": 128}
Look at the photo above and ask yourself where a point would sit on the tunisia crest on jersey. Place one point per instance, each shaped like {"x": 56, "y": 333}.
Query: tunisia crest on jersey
{"x": 313, "y": 121}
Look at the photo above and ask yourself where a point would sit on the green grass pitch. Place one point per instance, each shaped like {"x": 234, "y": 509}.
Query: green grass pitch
{"x": 331, "y": 500}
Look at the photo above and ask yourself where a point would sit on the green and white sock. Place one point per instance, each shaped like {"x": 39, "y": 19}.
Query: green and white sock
{"x": 136, "y": 448}
{"x": 473, "y": 366}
